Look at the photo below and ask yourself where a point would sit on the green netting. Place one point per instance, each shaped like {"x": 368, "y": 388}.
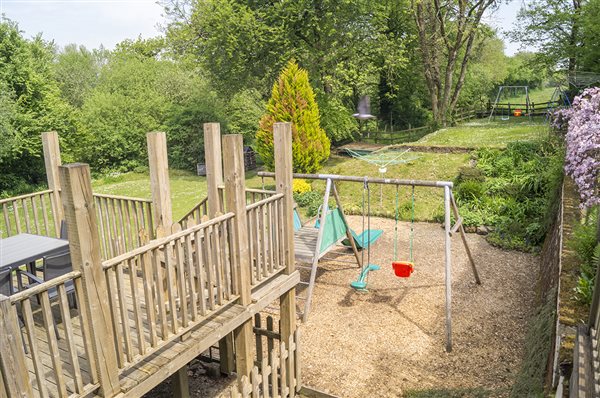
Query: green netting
{"x": 335, "y": 229}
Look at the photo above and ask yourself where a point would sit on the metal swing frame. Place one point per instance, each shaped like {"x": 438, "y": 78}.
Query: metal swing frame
{"x": 450, "y": 208}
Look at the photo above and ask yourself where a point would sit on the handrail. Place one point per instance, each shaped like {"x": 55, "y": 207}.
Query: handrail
{"x": 156, "y": 243}
{"x": 47, "y": 285}
{"x": 26, "y": 196}
{"x": 264, "y": 201}
{"x": 263, "y": 191}
{"x": 118, "y": 197}
{"x": 195, "y": 208}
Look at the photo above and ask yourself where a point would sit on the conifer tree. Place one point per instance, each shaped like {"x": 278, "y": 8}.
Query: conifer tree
{"x": 293, "y": 100}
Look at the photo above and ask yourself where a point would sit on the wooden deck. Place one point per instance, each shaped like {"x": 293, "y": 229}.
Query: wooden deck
{"x": 146, "y": 371}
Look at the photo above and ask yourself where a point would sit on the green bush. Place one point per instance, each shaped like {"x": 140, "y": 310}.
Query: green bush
{"x": 244, "y": 112}
{"x": 310, "y": 200}
{"x": 336, "y": 119}
{"x": 293, "y": 100}
{"x": 584, "y": 243}
{"x": 470, "y": 190}
{"x": 514, "y": 190}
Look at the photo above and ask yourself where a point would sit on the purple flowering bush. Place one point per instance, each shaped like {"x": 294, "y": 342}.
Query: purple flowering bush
{"x": 582, "y": 160}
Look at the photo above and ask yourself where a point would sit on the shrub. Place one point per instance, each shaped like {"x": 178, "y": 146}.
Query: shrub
{"x": 301, "y": 186}
{"x": 305, "y": 199}
{"x": 514, "y": 191}
{"x": 293, "y": 100}
{"x": 583, "y": 145}
{"x": 585, "y": 245}
{"x": 470, "y": 190}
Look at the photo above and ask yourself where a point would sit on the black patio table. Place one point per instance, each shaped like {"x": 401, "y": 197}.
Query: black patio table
{"x": 23, "y": 249}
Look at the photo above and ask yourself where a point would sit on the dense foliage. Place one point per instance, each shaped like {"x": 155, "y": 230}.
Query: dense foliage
{"x": 512, "y": 191}
{"x": 30, "y": 103}
{"x": 563, "y": 33}
{"x": 293, "y": 100}
{"x": 584, "y": 243}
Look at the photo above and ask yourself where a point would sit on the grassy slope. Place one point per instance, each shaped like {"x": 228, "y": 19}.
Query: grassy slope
{"x": 537, "y": 96}
{"x": 483, "y": 133}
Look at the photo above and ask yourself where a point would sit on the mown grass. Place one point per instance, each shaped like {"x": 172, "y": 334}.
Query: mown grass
{"x": 483, "y": 133}
{"x": 187, "y": 189}
{"x": 428, "y": 201}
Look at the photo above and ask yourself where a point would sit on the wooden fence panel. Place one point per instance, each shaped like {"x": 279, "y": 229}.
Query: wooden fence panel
{"x": 124, "y": 223}
{"x": 159, "y": 291}
{"x": 265, "y": 219}
{"x": 276, "y": 375}
{"x": 33, "y": 213}
{"x": 55, "y": 337}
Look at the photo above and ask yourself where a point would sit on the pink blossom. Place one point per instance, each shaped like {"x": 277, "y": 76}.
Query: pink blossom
{"x": 583, "y": 144}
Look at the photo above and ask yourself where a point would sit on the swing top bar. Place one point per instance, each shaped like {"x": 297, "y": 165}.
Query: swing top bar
{"x": 370, "y": 180}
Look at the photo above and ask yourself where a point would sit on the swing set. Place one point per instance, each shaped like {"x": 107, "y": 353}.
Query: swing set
{"x": 401, "y": 268}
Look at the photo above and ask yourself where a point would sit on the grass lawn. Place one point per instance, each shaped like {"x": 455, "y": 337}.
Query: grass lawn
{"x": 538, "y": 96}
{"x": 187, "y": 189}
{"x": 428, "y": 201}
{"x": 483, "y": 133}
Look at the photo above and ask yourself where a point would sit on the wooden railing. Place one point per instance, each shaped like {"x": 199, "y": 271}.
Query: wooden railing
{"x": 265, "y": 236}
{"x": 254, "y": 195}
{"x": 194, "y": 216}
{"x": 62, "y": 364}
{"x": 124, "y": 223}
{"x": 276, "y": 375}
{"x": 33, "y": 213}
{"x": 161, "y": 290}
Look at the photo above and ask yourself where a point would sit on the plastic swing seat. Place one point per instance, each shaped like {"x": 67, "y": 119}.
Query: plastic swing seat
{"x": 361, "y": 283}
{"x": 365, "y": 239}
{"x": 403, "y": 269}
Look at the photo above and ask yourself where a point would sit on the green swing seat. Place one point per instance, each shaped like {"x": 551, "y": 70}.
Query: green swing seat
{"x": 362, "y": 241}
{"x": 365, "y": 239}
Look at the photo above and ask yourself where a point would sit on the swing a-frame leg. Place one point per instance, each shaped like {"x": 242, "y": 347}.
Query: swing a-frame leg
{"x": 348, "y": 234}
{"x": 458, "y": 225}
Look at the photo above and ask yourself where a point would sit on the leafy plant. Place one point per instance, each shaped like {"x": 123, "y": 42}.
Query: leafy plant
{"x": 584, "y": 244}
{"x": 514, "y": 192}
{"x": 310, "y": 200}
{"x": 293, "y": 100}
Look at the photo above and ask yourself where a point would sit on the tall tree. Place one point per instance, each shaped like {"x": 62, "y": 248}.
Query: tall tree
{"x": 77, "y": 70}
{"x": 293, "y": 100}
{"x": 447, "y": 33}
{"x": 31, "y": 103}
{"x": 551, "y": 28}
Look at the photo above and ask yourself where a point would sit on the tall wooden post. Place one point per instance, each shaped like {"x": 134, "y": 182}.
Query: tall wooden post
{"x": 159, "y": 179}
{"x": 235, "y": 194}
{"x": 158, "y": 161}
{"x": 52, "y": 162}
{"x": 282, "y": 141}
{"x": 84, "y": 244}
{"x": 214, "y": 178}
{"x": 214, "y": 166}
{"x": 14, "y": 376}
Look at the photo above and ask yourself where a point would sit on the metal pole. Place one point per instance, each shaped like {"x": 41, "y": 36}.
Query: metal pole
{"x": 370, "y": 180}
{"x": 448, "y": 269}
